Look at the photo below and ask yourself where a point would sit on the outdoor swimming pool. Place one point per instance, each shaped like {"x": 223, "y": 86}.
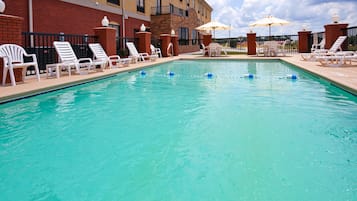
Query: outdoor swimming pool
{"x": 184, "y": 137}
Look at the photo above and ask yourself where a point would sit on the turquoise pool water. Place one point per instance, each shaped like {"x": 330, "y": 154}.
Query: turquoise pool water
{"x": 186, "y": 137}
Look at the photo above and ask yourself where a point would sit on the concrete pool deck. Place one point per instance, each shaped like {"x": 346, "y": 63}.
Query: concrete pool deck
{"x": 344, "y": 76}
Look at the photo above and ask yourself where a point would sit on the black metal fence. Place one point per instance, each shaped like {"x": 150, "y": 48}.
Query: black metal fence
{"x": 352, "y": 38}
{"x": 41, "y": 44}
{"x": 122, "y": 50}
{"x": 351, "y": 33}
{"x": 169, "y": 10}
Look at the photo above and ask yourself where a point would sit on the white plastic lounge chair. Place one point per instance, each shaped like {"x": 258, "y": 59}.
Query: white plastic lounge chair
{"x": 13, "y": 56}
{"x": 323, "y": 52}
{"x": 113, "y": 61}
{"x": 282, "y": 50}
{"x": 318, "y": 46}
{"x": 67, "y": 58}
{"x": 155, "y": 51}
{"x": 139, "y": 56}
{"x": 337, "y": 59}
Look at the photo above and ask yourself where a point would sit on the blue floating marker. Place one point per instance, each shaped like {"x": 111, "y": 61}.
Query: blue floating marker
{"x": 171, "y": 73}
{"x": 250, "y": 76}
{"x": 209, "y": 75}
{"x": 142, "y": 72}
{"x": 291, "y": 76}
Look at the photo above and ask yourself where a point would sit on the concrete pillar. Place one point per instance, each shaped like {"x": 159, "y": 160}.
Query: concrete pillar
{"x": 332, "y": 32}
{"x": 175, "y": 43}
{"x": 304, "y": 41}
{"x": 106, "y": 37}
{"x": 165, "y": 41}
{"x": 10, "y": 32}
{"x": 252, "y": 46}
{"x": 144, "y": 41}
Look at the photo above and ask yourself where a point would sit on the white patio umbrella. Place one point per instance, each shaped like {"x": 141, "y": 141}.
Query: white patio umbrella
{"x": 213, "y": 25}
{"x": 269, "y": 21}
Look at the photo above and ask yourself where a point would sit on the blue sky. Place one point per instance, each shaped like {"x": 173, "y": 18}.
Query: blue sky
{"x": 311, "y": 14}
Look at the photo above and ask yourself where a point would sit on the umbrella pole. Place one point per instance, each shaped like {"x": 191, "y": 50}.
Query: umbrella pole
{"x": 269, "y": 31}
{"x": 214, "y": 34}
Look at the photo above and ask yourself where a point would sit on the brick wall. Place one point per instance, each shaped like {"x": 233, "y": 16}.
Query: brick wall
{"x": 133, "y": 24}
{"x": 10, "y": 32}
{"x": 10, "y": 29}
{"x": 55, "y": 16}
{"x": 161, "y": 24}
{"x": 190, "y": 22}
{"x": 18, "y": 8}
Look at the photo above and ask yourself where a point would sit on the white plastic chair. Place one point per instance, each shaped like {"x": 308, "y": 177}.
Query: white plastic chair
{"x": 215, "y": 49}
{"x": 323, "y": 52}
{"x": 282, "y": 50}
{"x": 139, "y": 56}
{"x": 13, "y": 56}
{"x": 155, "y": 51}
{"x": 318, "y": 46}
{"x": 68, "y": 58}
{"x": 113, "y": 60}
{"x": 260, "y": 49}
{"x": 337, "y": 59}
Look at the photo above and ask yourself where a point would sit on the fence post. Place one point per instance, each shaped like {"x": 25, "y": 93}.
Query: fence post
{"x": 106, "y": 37}
{"x": 252, "y": 46}
{"x": 165, "y": 41}
{"x": 304, "y": 37}
{"x": 144, "y": 41}
{"x": 10, "y": 32}
{"x": 332, "y": 32}
{"x": 61, "y": 36}
{"x": 175, "y": 44}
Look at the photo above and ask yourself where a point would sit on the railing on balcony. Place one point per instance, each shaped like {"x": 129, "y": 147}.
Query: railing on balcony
{"x": 169, "y": 10}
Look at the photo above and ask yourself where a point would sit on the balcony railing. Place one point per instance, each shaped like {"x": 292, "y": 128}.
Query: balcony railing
{"x": 169, "y": 10}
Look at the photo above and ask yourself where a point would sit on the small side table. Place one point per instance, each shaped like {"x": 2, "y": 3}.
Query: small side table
{"x": 57, "y": 67}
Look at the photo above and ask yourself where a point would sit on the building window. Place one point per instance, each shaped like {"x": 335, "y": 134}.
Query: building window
{"x": 158, "y": 7}
{"x": 117, "y": 29}
{"x": 116, "y": 2}
{"x": 172, "y": 8}
{"x": 180, "y": 12}
{"x": 183, "y": 36}
{"x": 140, "y": 6}
{"x": 194, "y": 37}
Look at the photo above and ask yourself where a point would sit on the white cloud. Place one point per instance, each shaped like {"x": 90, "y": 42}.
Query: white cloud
{"x": 312, "y": 13}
